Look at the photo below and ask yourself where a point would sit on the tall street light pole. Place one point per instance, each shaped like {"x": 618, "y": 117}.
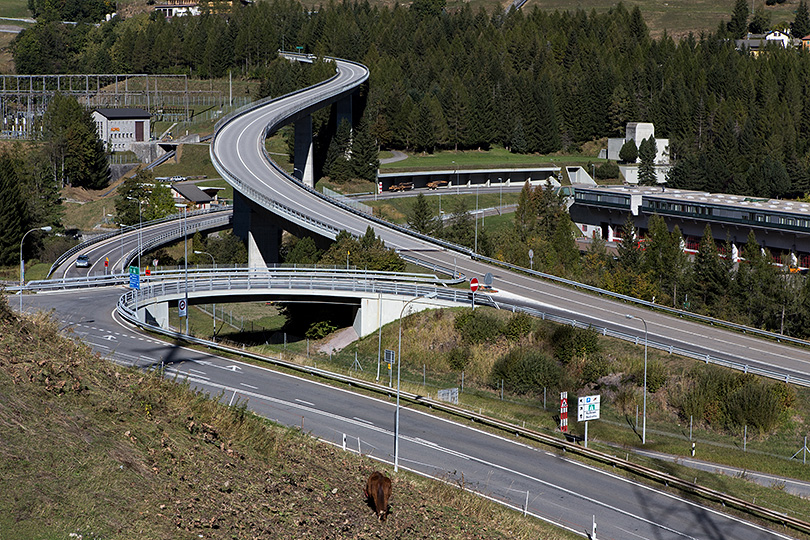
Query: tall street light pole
{"x": 399, "y": 364}
{"x": 644, "y": 418}
{"x": 213, "y": 306}
{"x": 46, "y": 228}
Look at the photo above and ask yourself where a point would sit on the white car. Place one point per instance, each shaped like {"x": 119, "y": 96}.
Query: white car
{"x": 82, "y": 261}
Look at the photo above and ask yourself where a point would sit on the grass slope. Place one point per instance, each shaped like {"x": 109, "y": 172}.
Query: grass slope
{"x": 93, "y": 449}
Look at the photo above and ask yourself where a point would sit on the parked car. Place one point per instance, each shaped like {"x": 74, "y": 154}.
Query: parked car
{"x": 82, "y": 261}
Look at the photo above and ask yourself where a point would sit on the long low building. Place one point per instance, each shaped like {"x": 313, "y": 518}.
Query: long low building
{"x": 781, "y": 226}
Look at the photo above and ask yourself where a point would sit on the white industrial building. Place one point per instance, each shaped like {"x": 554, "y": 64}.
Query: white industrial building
{"x": 118, "y": 128}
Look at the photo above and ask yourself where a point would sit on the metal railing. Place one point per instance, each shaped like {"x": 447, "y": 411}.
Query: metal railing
{"x": 245, "y": 278}
{"x": 102, "y": 237}
{"x": 672, "y": 481}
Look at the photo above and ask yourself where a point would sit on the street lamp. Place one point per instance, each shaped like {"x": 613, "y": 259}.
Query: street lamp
{"x": 46, "y": 228}
{"x": 140, "y": 237}
{"x": 475, "y": 249}
{"x": 213, "y": 306}
{"x": 644, "y": 418}
{"x": 399, "y": 364}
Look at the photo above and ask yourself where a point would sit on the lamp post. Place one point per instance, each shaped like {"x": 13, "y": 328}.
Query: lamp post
{"x": 213, "y": 306}
{"x": 475, "y": 249}
{"x": 140, "y": 237}
{"x": 644, "y": 417}
{"x": 46, "y": 228}
{"x": 399, "y": 364}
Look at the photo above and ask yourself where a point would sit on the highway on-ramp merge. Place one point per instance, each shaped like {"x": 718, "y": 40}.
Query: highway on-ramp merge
{"x": 546, "y": 484}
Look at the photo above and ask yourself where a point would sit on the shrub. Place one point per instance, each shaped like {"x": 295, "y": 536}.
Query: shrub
{"x": 595, "y": 368}
{"x": 570, "y": 343}
{"x": 755, "y": 404}
{"x": 525, "y": 370}
{"x": 459, "y": 358}
{"x": 607, "y": 170}
{"x": 477, "y": 326}
{"x": 656, "y": 375}
{"x": 732, "y": 400}
{"x": 518, "y": 325}
{"x": 320, "y": 330}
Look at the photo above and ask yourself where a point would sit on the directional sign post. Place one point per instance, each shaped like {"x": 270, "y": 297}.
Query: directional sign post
{"x": 473, "y": 288}
{"x": 134, "y": 278}
{"x": 587, "y": 409}
{"x": 135, "y": 283}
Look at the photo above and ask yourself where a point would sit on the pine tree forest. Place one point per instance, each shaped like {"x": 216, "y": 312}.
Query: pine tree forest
{"x": 531, "y": 81}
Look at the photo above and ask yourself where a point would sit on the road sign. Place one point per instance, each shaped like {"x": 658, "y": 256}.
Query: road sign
{"x": 134, "y": 278}
{"x": 488, "y": 279}
{"x": 181, "y": 308}
{"x": 588, "y": 408}
{"x": 106, "y": 262}
{"x": 564, "y": 412}
{"x": 474, "y": 284}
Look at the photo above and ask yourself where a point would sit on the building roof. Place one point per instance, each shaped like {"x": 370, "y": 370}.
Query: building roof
{"x": 123, "y": 113}
{"x": 192, "y": 193}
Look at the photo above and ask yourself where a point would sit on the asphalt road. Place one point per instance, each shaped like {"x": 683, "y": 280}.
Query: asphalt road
{"x": 559, "y": 489}
{"x": 238, "y": 148}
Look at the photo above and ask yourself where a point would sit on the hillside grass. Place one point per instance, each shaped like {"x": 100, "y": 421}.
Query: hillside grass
{"x": 97, "y": 450}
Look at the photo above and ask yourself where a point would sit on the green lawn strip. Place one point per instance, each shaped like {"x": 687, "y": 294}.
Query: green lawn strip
{"x": 194, "y": 160}
{"x": 497, "y": 157}
{"x": 398, "y": 208}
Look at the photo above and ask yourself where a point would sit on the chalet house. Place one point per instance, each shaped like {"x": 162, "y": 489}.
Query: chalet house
{"x": 756, "y": 43}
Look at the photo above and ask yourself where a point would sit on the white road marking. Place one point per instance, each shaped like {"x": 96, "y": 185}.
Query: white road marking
{"x": 249, "y": 386}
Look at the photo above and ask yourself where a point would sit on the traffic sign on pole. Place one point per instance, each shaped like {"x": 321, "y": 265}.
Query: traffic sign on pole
{"x": 564, "y": 412}
{"x": 588, "y": 408}
{"x": 134, "y": 278}
{"x": 181, "y": 307}
{"x": 474, "y": 284}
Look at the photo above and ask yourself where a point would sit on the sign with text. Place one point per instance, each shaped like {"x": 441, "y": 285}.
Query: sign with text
{"x": 134, "y": 277}
{"x": 588, "y": 408}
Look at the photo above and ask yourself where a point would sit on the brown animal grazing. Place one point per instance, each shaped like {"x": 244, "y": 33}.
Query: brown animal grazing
{"x": 378, "y": 489}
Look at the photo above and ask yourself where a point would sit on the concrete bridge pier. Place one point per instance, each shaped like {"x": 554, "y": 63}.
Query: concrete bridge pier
{"x": 253, "y": 224}
{"x": 156, "y": 314}
{"x": 303, "y": 160}
{"x": 343, "y": 110}
{"x": 381, "y": 309}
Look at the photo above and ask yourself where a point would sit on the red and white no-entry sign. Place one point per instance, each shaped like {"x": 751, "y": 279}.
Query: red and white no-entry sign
{"x": 181, "y": 308}
{"x": 474, "y": 284}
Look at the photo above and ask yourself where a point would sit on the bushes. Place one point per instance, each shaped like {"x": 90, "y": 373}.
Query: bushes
{"x": 656, "y": 375}
{"x": 607, "y": 170}
{"x": 518, "y": 325}
{"x": 572, "y": 344}
{"x": 527, "y": 370}
{"x": 477, "y": 326}
{"x": 732, "y": 400}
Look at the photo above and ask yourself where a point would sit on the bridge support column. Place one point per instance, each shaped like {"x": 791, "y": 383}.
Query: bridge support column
{"x": 157, "y": 314}
{"x": 254, "y": 225}
{"x": 343, "y": 109}
{"x": 386, "y": 309}
{"x": 303, "y": 161}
